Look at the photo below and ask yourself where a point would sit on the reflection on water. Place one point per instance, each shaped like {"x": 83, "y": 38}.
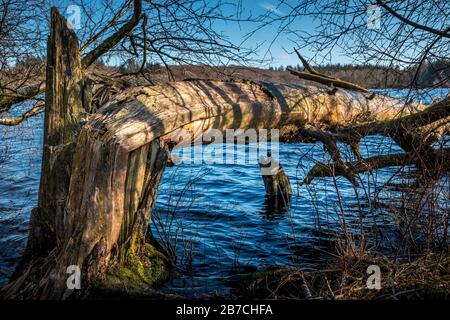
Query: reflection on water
{"x": 224, "y": 214}
{"x": 275, "y": 207}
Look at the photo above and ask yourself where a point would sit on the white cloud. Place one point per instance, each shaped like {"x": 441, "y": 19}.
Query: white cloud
{"x": 270, "y": 7}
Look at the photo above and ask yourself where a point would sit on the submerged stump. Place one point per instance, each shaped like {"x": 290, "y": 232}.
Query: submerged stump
{"x": 100, "y": 175}
{"x": 276, "y": 182}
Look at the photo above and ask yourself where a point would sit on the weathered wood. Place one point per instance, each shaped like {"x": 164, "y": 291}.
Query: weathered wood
{"x": 140, "y": 115}
{"x": 422, "y": 117}
{"x": 62, "y": 122}
{"x": 63, "y": 110}
{"x": 112, "y": 187}
{"x": 276, "y": 182}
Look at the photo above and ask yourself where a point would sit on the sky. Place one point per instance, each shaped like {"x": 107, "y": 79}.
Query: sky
{"x": 276, "y": 48}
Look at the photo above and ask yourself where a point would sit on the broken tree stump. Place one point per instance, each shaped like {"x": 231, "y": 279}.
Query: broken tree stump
{"x": 276, "y": 182}
{"x": 100, "y": 178}
{"x": 62, "y": 122}
{"x": 106, "y": 215}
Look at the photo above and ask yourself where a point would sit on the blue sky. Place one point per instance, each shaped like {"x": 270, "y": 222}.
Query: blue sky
{"x": 276, "y": 48}
{"x": 271, "y": 45}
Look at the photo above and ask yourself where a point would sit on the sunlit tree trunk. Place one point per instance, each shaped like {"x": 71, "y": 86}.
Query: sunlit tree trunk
{"x": 100, "y": 178}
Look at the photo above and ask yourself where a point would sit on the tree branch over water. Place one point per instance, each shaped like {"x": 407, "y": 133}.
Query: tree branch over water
{"x": 14, "y": 121}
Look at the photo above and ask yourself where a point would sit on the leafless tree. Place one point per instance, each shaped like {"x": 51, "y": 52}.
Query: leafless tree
{"x": 165, "y": 32}
{"x": 412, "y": 35}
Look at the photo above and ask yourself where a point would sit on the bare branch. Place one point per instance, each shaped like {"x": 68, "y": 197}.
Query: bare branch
{"x": 327, "y": 81}
{"x": 443, "y": 33}
{"x": 114, "y": 39}
{"x": 17, "y": 120}
{"x": 330, "y": 145}
{"x": 339, "y": 169}
{"x": 371, "y": 163}
{"x": 307, "y": 66}
{"x": 113, "y": 20}
{"x": 7, "y": 100}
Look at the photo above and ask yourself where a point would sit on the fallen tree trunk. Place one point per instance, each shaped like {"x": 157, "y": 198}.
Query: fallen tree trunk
{"x": 98, "y": 219}
{"x": 107, "y": 187}
{"x": 96, "y": 229}
{"x": 390, "y": 127}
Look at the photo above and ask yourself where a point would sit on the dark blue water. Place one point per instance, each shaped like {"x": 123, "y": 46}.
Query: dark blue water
{"x": 20, "y": 163}
{"x": 216, "y": 217}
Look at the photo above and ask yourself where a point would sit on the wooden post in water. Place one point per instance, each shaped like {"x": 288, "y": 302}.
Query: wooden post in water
{"x": 99, "y": 182}
{"x": 276, "y": 182}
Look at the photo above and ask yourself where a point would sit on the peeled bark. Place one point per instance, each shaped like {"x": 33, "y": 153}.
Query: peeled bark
{"x": 109, "y": 202}
{"x": 99, "y": 182}
{"x": 63, "y": 114}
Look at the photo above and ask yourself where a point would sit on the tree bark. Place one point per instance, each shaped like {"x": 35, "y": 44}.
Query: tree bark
{"x": 276, "y": 183}
{"x": 63, "y": 116}
{"x": 56, "y": 241}
{"x": 99, "y": 181}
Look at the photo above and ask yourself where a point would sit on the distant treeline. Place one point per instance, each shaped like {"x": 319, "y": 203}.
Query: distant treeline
{"x": 436, "y": 73}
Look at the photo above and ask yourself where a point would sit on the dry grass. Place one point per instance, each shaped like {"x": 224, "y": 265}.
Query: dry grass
{"x": 425, "y": 278}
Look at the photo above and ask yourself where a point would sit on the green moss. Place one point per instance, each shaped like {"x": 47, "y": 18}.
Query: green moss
{"x": 137, "y": 274}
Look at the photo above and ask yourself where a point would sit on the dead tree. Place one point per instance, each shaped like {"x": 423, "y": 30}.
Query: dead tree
{"x": 276, "y": 182}
{"x": 101, "y": 171}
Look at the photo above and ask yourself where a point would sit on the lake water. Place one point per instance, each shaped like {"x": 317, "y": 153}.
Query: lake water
{"x": 222, "y": 224}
